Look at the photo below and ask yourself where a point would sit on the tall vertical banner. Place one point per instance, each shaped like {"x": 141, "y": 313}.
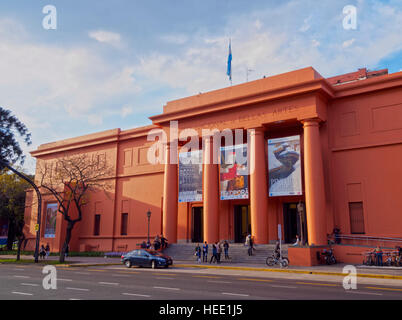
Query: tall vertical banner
{"x": 284, "y": 166}
{"x": 190, "y": 176}
{"x": 3, "y": 231}
{"x": 50, "y": 222}
{"x": 234, "y": 172}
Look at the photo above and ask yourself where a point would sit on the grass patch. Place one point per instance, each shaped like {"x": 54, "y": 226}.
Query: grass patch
{"x": 29, "y": 261}
{"x": 56, "y": 254}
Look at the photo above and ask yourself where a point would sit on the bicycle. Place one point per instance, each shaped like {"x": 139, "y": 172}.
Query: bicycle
{"x": 273, "y": 260}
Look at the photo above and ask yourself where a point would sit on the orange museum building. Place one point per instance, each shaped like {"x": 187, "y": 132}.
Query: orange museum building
{"x": 350, "y": 130}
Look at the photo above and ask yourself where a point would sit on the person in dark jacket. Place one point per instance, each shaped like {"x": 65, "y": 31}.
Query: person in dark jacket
{"x": 214, "y": 253}
{"x": 205, "y": 252}
{"x": 198, "y": 252}
{"x": 226, "y": 249}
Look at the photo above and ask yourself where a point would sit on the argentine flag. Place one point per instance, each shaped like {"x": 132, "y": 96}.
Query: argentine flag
{"x": 229, "y": 70}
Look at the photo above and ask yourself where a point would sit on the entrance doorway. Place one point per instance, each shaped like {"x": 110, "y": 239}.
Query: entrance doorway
{"x": 197, "y": 224}
{"x": 242, "y": 223}
{"x": 294, "y": 224}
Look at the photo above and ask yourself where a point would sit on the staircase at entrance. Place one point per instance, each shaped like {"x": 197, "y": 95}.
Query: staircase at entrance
{"x": 237, "y": 252}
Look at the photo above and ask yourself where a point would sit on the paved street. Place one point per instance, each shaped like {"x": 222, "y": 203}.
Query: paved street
{"x": 178, "y": 283}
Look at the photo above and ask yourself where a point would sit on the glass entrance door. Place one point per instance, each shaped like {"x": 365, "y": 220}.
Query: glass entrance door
{"x": 242, "y": 223}
{"x": 197, "y": 224}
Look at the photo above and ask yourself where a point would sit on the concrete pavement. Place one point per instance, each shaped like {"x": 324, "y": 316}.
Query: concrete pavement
{"x": 391, "y": 273}
{"x": 179, "y": 283}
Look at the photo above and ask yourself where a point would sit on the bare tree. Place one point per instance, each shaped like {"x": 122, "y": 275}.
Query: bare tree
{"x": 71, "y": 180}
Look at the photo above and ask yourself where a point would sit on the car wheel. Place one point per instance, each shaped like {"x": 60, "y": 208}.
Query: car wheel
{"x": 128, "y": 263}
{"x": 153, "y": 264}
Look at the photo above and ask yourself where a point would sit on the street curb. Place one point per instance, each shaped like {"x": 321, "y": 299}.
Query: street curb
{"x": 362, "y": 275}
{"x": 88, "y": 265}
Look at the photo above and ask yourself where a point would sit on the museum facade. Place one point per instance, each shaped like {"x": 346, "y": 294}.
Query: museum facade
{"x": 296, "y": 149}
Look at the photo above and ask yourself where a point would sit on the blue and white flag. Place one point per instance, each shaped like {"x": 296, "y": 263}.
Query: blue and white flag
{"x": 229, "y": 70}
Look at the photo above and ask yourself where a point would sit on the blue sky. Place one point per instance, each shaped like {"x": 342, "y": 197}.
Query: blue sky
{"x": 112, "y": 64}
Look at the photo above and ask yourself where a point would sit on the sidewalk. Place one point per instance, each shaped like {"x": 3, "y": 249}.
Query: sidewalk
{"x": 332, "y": 270}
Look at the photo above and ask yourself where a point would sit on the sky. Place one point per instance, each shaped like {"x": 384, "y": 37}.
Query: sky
{"x": 113, "y": 64}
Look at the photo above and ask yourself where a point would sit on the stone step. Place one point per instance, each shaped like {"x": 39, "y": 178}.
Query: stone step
{"x": 237, "y": 252}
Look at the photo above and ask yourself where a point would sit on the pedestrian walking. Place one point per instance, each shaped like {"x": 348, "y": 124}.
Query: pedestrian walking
{"x": 219, "y": 252}
{"x": 42, "y": 252}
{"x": 214, "y": 253}
{"x": 378, "y": 256}
{"x": 198, "y": 252}
{"x": 226, "y": 249}
{"x": 47, "y": 250}
{"x": 164, "y": 242}
{"x": 250, "y": 242}
{"x": 205, "y": 252}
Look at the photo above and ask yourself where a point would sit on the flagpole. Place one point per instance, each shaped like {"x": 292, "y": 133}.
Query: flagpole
{"x": 229, "y": 66}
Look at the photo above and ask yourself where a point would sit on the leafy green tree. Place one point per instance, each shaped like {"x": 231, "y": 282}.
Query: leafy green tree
{"x": 12, "y": 196}
{"x": 12, "y": 204}
{"x": 10, "y": 128}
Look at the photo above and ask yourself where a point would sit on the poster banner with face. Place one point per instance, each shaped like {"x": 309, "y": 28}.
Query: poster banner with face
{"x": 50, "y": 223}
{"x": 234, "y": 172}
{"x": 284, "y": 166}
{"x": 190, "y": 176}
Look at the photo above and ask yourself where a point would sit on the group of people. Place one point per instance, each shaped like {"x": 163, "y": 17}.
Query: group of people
{"x": 216, "y": 251}
{"x": 44, "y": 251}
{"x": 378, "y": 253}
{"x": 160, "y": 242}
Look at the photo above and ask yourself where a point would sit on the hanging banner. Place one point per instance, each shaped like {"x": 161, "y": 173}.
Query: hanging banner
{"x": 284, "y": 166}
{"x": 234, "y": 172}
{"x": 50, "y": 222}
{"x": 190, "y": 176}
{"x": 3, "y": 231}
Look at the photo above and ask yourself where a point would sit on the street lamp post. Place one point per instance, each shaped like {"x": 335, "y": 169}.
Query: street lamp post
{"x": 149, "y": 218}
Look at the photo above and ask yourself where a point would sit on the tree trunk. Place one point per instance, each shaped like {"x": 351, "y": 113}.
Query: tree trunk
{"x": 20, "y": 241}
{"x": 11, "y": 234}
{"x": 69, "y": 230}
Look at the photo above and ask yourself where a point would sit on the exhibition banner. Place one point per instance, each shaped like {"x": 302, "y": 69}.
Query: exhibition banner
{"x": 284, "y": 166}
{"x": 3, "y": 231}
{"x": 50, "y": 222}
{"x": 234, "y": 172}
{"x": 190, "y": 176}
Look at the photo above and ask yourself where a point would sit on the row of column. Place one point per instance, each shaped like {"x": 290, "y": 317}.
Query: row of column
{"x": 314, "y": 189}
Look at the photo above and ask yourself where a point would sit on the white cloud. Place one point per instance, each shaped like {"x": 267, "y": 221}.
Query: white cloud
{"x": 174, "y": 38}
{"x": 126, "y": 110}
{"x": 315, "y": 43}
{"x": 277, "y": 47}
{"x": 107, "y": 37}
{"x": 348, "y": 43}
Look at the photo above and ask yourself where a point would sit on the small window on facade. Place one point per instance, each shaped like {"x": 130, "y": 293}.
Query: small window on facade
{"x": 124, "y": 222}
{"x": 356, "y": 217}
{"x": 97, "y": 224}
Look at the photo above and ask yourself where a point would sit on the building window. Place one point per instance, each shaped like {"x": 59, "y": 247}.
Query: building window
{"x": 97, "y": 225}
{"x": 356, "y": 217}
{"x": 124, "y": 223}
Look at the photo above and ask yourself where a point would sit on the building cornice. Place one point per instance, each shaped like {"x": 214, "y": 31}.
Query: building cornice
{"x": 307, "y": 87}
{"x": 388, "y": 81}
